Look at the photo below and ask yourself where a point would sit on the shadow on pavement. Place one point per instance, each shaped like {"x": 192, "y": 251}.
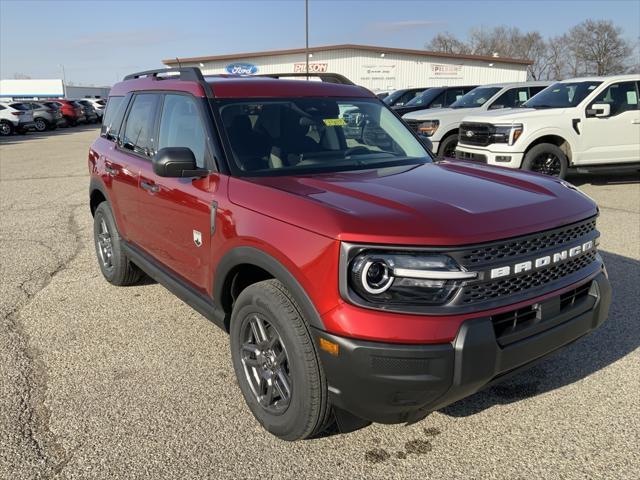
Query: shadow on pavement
{"x": 616, "y": 338}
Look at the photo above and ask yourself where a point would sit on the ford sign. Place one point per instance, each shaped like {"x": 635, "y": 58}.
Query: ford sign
{"x": 241, "y": 69}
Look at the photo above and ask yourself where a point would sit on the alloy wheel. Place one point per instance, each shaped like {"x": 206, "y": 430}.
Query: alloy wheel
{"x": 40, "y": 125}
{"x": 547, "y": 163}
{"x": 266, "y": 364}
{"x": 5, "y": 129}
{"x": 105, "y": 247}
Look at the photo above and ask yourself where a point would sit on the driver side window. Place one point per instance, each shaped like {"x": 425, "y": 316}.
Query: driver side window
{"x": 622, "y": 97}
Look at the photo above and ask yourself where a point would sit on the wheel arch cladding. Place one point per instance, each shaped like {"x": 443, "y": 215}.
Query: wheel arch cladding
{"x": 560, "y": 142}
{"x": 256, "y": 265}
{"x": 97, "y": 195}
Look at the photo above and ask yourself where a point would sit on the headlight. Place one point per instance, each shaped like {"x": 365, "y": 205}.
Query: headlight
{"x": 382, "y": 277}
{"x": 428, "y": 127}
{"x": 508, "y": 134}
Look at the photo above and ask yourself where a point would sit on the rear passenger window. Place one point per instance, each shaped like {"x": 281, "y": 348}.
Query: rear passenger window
{"x": 109, "y": 124}
{"x": 181, "y": 126}
{"x": 511, "y": 98}
{"x": 138, "y": 130}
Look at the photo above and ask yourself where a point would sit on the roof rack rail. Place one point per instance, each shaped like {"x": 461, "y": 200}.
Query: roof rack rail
{"x": 192, "y": 74}
{"x": 325, "y": 77}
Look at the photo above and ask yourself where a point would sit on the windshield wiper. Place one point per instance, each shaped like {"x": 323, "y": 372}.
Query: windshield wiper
{"x": 542, "y": 106}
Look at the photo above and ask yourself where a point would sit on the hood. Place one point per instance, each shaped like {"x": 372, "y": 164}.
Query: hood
{"x": 447, "y": 203}
{"x": 513, "y": 115}
{"x": 440, "y": 114}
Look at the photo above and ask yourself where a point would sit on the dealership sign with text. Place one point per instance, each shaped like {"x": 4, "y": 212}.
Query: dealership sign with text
{"x": 313, "y": 67}
{"x": 446, "y": 71}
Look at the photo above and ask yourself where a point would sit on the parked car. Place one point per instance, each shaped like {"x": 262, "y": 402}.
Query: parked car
{"x": 15, "y": 117}
{"x": 434, "y": 97}
{"x": 402, "y": 96}
{"x": 90, "y": 114}
{"x": 441, "y": 125}
{"x": 71, "y": 112}
{"x": 45, "y": 117}
{"x": 592, "y": 124}
{"x": 97, "y": 104}
{"x": 359, "y": 280}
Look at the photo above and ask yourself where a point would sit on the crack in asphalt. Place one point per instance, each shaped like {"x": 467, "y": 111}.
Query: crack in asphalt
{"x": 34, "y": 414}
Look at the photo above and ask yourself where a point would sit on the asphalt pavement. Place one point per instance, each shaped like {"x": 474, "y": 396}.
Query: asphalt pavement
{"x": 104, "y": 382}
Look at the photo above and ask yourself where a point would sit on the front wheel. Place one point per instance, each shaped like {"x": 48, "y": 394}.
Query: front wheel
{"x": 548, "y": 159}
{"x": 40, "y": 124}
{"x": 276, "y": 363}
{"x": 6, "y": 128}
{"x": 447, "y": 148}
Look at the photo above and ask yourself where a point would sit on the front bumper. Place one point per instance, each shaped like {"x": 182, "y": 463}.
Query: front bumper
{"x": 389, "y": 383}
{"x": 504, "y": 158}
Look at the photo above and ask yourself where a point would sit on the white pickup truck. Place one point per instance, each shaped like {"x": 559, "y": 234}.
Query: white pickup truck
{"x": 441, "y": 124}
{"x": 587, "y": 123}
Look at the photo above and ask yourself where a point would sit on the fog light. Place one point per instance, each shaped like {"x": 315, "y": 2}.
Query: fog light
{"x": 503, "y": 158}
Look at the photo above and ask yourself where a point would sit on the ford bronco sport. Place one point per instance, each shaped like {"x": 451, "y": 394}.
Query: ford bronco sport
{"x": 358, "y": 279}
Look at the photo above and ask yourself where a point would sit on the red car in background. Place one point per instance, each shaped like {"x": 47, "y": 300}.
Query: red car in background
{"x": 71, "y": 111}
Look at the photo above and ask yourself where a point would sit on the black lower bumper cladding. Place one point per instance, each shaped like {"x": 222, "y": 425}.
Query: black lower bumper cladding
{"x": 389, "y": 383}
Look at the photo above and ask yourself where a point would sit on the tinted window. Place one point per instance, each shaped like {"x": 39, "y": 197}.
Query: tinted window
{"x": 622, "y": 97}
{"x": 476, "y": 97}
{"x": 52, "y": 104}
{"x": 2, "y": 107}
{"x": 514, "y": 97}
{"x": 20, "y": 106}
{"x": 454, "y": 94}
{"x": 111, "y": 121}
{"x": 138, "y": 130}
{"x": 535, "y": 90}
{"x": 429, "y": 97}
{"x": 181, "y": 126}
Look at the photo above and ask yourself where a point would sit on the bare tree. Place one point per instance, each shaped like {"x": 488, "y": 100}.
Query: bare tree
{"x": 600, "y": 47}
{"x": 447, "y": 43}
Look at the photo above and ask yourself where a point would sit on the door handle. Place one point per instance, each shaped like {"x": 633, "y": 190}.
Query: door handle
{"x": 636, "y": 121}
{"x": 150, "y": 187}
{"x": 110, "y": 170}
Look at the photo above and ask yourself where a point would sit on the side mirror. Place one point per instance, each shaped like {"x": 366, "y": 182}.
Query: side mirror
{"x": 599, "y": 110}
{"x": 176, "y": 162}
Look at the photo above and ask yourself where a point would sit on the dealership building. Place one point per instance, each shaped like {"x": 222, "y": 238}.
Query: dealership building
{"x": 377, "y": 68}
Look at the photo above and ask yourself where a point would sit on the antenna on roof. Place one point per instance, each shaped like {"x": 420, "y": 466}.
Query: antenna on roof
{"x": 178, "y": 60}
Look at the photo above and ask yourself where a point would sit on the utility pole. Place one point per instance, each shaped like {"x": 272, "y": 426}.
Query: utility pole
{"x": 306, "y": 36}
{"x": 64, "y": 82}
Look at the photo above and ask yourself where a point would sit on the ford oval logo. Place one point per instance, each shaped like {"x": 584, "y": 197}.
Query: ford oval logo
{"x": 469, "y": 133}
{"x": 241, "y": 69}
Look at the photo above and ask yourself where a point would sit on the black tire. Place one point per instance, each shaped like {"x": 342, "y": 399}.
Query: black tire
{"x": 116, "y": 267}
{"x": 307, "y": 410}
{"x": 548, "y": 159}
{"x": 40, "y": 124}
{"x": 447, "y": 148}
{"x": 6, "y": 128}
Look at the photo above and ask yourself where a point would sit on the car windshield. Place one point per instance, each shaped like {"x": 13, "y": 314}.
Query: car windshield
{"x": 475, "y": 98}
{"x": 425, "y": 98}
{"x": 562, "y": 95}
{"x": 312, "y": 135}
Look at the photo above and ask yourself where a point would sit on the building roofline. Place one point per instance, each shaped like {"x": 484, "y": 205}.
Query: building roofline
{"x": 406, "y": 51}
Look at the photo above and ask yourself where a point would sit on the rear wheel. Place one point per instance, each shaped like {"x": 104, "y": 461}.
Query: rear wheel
{"x": 276, "y": 363}
{"x": 447, "y": 148}
{"x": 41, "y": 124}
{"x": 114, "y": 264}
{"x": 548, "y": 159}
{"x": 5, "y": 128}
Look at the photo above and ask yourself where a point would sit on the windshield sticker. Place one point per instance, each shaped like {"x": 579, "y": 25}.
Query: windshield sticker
{"x": 334, "y": 122}
{"x": 591, "y": 87}
{"x": 632, "y": 99}
{"x": 522, "y": 96}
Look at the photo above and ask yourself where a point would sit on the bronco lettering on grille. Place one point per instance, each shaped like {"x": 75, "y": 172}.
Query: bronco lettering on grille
{"x": 541, "y": 262}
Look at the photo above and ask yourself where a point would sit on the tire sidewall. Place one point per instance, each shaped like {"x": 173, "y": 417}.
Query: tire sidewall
{"x": 292, "y": 423}
{"x": 445, "y": 143}
{"x": 7, "y": 129}
{"x": 44, "y": 122}
{"x": 104, "y": 212}
{"x": 539, "y": 150}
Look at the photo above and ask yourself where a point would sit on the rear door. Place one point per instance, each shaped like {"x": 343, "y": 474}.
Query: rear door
{"x": 616, "y": 138}
{"x": 178, "y": 214}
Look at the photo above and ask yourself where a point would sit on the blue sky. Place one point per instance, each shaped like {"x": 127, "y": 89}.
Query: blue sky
{"x": 98, "y": 42}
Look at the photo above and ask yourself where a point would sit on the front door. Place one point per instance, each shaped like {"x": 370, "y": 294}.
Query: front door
{"x": 178, "y": 214}
{"x": 615, "y": 138}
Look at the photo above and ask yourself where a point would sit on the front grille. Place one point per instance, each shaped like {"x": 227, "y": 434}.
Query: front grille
{"x": 528, "y": 245}
{"x": 474, "y": 157}
{"x": 568, "y": 299}
{"x": 478, "y": 134}
{"x": 496, "y": 288}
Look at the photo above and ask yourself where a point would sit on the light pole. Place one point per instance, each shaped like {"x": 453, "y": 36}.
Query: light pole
{"x": 64, "y": 82}
{"x": 306, "y": 36}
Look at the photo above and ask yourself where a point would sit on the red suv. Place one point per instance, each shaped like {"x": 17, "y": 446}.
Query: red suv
{"x": 71, "y": 111}
{"x": 359, "y": 279}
